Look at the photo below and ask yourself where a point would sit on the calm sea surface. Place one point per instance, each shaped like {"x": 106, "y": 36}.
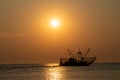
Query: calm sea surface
{"x": 98, "y": 71}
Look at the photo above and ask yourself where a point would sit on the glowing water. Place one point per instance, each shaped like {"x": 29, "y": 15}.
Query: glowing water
{"x": 103, "y": 71}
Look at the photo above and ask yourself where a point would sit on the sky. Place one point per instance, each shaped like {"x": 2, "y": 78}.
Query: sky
{"x": 26, "y": 35}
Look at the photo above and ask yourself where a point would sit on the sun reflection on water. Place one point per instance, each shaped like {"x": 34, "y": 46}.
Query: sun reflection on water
{"x": 55, "y": 74}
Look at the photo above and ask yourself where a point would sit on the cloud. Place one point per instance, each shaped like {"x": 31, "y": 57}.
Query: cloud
{"x": 10, "y": 35}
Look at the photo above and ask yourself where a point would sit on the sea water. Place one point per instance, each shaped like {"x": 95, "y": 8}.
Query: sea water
{"x": 97, "y": 71}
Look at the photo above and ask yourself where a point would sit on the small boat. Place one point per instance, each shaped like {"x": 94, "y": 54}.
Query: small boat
{"x": 77, "y": 60}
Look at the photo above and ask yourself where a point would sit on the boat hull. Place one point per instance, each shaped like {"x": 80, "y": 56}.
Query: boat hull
{"x": 85, "y": 61}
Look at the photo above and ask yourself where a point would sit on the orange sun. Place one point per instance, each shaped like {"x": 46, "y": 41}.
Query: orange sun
{"x": 54, "y": 23}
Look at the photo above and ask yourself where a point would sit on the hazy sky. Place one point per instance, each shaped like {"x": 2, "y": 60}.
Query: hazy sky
{"x": 26, "y": 35}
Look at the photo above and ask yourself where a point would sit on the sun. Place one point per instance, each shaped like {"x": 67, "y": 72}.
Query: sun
{"x": 54, "y": 23}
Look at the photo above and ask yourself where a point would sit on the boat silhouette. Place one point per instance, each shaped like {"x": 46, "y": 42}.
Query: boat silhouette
{"x": 77, "y": 60}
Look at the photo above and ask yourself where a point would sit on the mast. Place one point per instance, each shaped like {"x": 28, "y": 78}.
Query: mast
{"x": 79, "y": 54}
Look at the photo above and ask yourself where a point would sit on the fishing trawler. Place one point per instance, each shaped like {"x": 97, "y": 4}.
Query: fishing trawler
{"x": 77, "y": 60}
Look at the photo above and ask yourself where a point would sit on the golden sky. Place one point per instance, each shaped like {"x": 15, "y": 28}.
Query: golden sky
{"x": 27, "y": 36}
